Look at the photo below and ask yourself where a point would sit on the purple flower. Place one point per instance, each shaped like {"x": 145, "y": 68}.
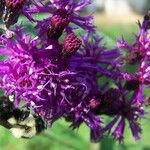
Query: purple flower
{"x": 116, "y": 103}
{"x": 63, "y": 14}
{"x": 40, "y": 77}
{"x": 138, "y": 53}
{"x": 93, "y": 48}
{"x": 139, "y": 50}
{"x": 53, "y": 79}
{"x": 75, "y": 77}
{"x": 95, "y": 59}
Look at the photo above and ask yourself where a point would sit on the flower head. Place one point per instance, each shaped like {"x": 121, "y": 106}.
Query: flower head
{"x": 115, "y": 104}
{"x": 138, "y": 52}
{"x": 62, "y": 15}
{"x": 41, "y": 78}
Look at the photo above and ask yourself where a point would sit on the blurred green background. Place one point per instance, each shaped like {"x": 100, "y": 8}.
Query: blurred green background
{"x": 60, "y": 137}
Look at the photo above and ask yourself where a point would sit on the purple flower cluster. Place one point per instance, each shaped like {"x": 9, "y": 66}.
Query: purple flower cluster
{"x": 59, "y": 73}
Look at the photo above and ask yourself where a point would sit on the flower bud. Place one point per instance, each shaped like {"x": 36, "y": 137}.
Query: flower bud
{"x": 134, "y": 56}
{"x": 71, "y": 43}
{"x": 14, "y": 4}
{"x": 12, "y": 11}
{"x": 132, "y": 85}
{"x": 59, "y": 21}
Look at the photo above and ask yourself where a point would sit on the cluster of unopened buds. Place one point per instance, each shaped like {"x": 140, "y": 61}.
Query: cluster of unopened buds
{"x": 66, "y": 72}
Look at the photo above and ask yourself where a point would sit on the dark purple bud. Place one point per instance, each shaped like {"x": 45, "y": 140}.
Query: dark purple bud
{"x": 132, "y": 85}
{"x": 111, "y": 95}
{"x": 15, "y": 4}
{"x": 135, "y": 55}
{"x": 71, "y": 43}
{"x": 59, "y": 21}
{"x": 12, "y": 11}
{"x": 52, "y": 33}
{"x": 108, "y": 103}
